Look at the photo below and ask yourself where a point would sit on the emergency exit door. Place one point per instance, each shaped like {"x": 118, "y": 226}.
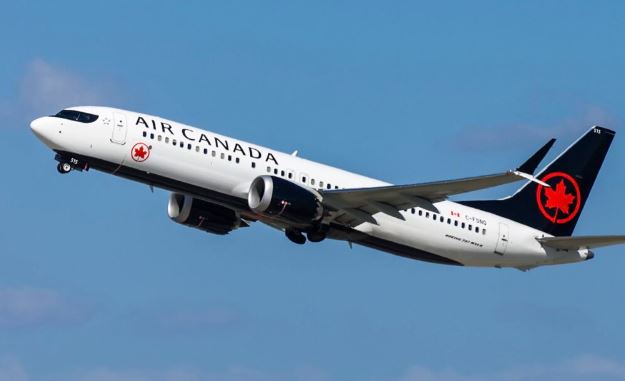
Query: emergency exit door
{"x": 502, "y": 241}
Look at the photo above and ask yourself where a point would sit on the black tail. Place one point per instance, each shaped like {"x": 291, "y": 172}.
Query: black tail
{"x": 556, "y": 209}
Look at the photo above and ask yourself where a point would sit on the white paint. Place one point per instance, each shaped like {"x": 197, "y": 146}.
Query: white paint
{"x": 113, "y": 141}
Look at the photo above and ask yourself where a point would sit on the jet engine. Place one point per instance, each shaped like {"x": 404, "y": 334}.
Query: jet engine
{"x": 199, "y": 214}
{"x": 284, "y": 200}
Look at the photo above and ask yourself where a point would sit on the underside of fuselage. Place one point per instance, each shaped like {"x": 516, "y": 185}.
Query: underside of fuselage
{"x": 336, "y": 232}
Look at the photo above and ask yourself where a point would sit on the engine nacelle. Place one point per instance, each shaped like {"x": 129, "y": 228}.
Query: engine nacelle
{"x": 199, "y": 214}
{"x": 278, "y": 198}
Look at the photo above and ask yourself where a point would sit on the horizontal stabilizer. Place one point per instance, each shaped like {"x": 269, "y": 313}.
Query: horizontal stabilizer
{"x": 582, "y": 242}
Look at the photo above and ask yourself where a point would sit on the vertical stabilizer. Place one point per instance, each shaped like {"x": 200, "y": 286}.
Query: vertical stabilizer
{"x": 556, "y": 209}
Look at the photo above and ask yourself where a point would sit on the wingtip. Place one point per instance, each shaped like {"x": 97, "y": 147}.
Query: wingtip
{"x": 532, "y": 163}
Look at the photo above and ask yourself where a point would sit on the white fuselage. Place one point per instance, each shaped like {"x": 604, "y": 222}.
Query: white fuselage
{"x": 227, "y": 166}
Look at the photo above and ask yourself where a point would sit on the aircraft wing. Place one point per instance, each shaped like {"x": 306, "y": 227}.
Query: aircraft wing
{"x": 582, "y": 242}
{"x": 392, "y": 199}
{"x": 354, "y": 206}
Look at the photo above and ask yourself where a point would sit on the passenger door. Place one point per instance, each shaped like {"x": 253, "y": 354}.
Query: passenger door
{"x": 120, "y": 129}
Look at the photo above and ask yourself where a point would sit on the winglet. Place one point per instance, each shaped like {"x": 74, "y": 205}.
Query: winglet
{"x": 532, "y": 163}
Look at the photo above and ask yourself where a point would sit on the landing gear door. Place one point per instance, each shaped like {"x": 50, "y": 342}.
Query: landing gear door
{"x": 502, "y": 241}
{"x": 120, "y": 129}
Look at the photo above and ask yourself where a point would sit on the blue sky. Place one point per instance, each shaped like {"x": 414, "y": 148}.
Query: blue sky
{"x": 97, "y": 284}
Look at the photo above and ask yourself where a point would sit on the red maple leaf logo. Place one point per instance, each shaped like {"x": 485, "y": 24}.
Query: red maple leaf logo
{"x": 564, "y": 206}
{"x": 559, "y": 198}
{"x": 140, "y": 152}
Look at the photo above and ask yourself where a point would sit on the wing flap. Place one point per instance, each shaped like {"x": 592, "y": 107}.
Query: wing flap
{"x": 582, "y": 242}
{"x": 361, "y": 215}
{"x": 387, "y": 209}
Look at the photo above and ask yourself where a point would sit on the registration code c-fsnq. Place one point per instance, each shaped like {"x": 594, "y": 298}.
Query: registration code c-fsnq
{"x": 476, "y": 220}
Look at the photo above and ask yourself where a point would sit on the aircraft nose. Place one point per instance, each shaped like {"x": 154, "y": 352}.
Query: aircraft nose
{"x": 37, "y": 126}
{"x": 44, "y": 130}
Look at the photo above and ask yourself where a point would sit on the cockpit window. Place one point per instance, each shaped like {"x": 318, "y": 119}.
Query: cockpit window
{"x": 78, "y": 116}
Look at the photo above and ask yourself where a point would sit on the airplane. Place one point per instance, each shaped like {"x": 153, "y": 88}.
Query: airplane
{"x": 219, "y": 184}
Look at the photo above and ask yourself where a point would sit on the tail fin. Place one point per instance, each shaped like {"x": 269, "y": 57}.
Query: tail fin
{"x": 556, "y": 209}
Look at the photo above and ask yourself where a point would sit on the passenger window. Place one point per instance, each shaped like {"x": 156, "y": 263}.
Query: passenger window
{"x": 229, "y": 157}
{"x": 275, "y": 171}
{"x": 477, "y": 229}
{"x": 197, "y": 148}
{"x": 166, "y": 139}
{"x": 214, "y": 153}
{"x": 427, "y": 214}
{"x": 463, "y": 225}
{"x": 151, "y": 136}
{"x": 268, "y": 169}
{"x": 237, "y": 160}
{"x": 181, "y": 144}
{"x": 483, "y": 231}
{"x": 145, "y": 134}
{"x": 434, "y": 216}
{"x": 470, "y": 227}
{"x": 304, "y": 179}
{"x": 253, "y": 164}
{"x": 420, "y": 212}
{"x": 320, "y": 184}
{"x": 174, "y": 142}
{"x": 205, "y": 151}
{"x": 455, "y": 223}
{"x": 160, "y": 138}
{"x": 223, "y": 156}
{"x": 189, "y": 146}
{"x": 412, "y": 210}
{"x": 329, "y": 186}
{"x": 290, "y": 175}
{"x": 449, "y": 221}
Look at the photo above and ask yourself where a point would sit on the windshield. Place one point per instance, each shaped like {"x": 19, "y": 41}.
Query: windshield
{"x": 77, "y": 116}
